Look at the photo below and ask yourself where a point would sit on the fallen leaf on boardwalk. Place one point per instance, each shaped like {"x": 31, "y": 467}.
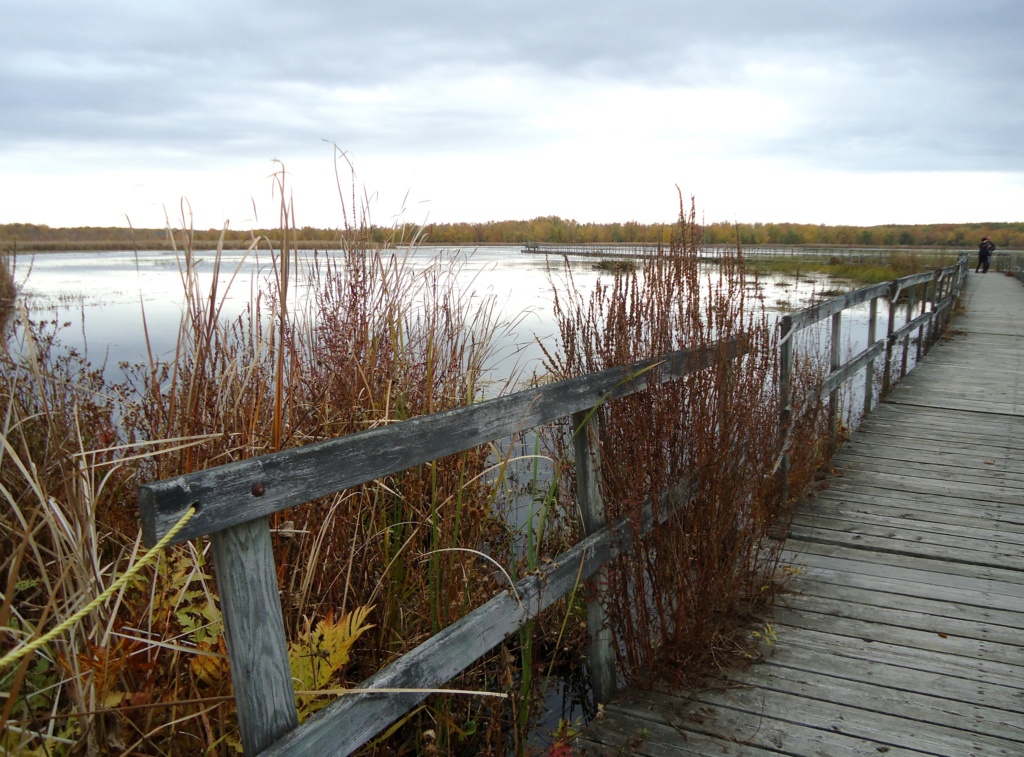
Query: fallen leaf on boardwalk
{"x": 943, "y": 635}
{"x": 990, "y": 462}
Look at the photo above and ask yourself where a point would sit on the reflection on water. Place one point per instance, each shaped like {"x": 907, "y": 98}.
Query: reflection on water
{"x": 104, "y": 294}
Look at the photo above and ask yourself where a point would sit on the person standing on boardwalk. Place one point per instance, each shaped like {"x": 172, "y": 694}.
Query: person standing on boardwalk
{"x": 985, "y": 250}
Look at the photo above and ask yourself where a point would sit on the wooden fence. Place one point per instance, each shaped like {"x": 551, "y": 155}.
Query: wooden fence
{"x": 939, "y": 291}
{"x": 232, "y": 504}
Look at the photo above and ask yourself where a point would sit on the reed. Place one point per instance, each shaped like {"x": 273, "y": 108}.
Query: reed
{"x": 8, "y": 291}
{"x": 377, "y": 340}
{"x": 681, "y": 597}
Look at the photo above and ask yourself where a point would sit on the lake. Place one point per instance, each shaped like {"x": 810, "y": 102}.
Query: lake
{"x": 102, "y": 295}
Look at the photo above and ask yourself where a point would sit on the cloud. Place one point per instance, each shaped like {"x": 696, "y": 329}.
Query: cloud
{"x": 866, "y": 86}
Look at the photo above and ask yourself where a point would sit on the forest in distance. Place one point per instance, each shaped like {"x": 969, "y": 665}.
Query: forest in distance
{"x": 1006, "y": 235}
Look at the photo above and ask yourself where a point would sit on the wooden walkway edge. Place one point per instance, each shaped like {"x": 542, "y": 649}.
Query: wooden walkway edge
{"x": 901, "y": 632}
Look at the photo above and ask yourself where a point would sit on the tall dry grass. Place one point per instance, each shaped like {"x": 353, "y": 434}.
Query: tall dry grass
{"x": 8, "y": 291}
{"x": 378, "y": 340}
{"x": 680, "y": 597}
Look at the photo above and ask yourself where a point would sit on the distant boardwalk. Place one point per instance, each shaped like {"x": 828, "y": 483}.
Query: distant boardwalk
{"x": 903, "y": 631}
{"x": 713, "y": 252}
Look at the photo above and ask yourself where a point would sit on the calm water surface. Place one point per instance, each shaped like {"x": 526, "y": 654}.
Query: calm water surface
{"x": 103, "y": 295}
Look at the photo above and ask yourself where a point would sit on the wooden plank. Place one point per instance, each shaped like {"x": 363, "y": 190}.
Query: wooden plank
{"x": 882, "y": 521}
{"x": 252, "y": 488}
{"x": 898, "y": 593}
{"x": 896, "y": 535}
{"x": 905, "y": 616}
{"x": 935, "y": 640}
{"x": 985, "y": 460}
{"x": 718, "y": 728}
{"x": 952, "y": 499}
{"x": 879, "y": 726}
{"x": 1003, "y": 557}
{"x": 925, "y": 423}
{"x": 887, "y": 697}
{"x": 865, "y": 652}
{"x": 924, "y": 570}
{"x": 915, "y": 675}
{"x": 243, "y": 560}
{"x": 923, "y": 485}
{"x": 588, "y": 498}
{"x": 931, "y": 466}
{"x": 917, "y": 511}
{"x": 617, "y": 733}
{"x": 920, "y": 511}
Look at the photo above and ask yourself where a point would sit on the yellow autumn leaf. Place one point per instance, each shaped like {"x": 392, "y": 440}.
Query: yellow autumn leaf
{"x": 209, "y": 670}
{"x": 321, "y": 650}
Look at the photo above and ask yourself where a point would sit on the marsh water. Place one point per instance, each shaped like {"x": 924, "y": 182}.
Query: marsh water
{"x": 103, "y": 296}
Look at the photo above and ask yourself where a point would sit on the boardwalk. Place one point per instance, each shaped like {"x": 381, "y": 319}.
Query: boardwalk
{"x": 902, "y": 630}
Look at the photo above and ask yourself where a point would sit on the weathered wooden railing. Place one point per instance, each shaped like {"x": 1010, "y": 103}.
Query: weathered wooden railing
{"x": 233, "y": 503}
{"x": 941, "y": 289}
{"x": 1011, "y": 262}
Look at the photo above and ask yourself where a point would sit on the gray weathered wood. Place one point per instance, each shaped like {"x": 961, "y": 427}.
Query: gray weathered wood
{"x": 889, "y": 341}
{"x": 786, "y": 332}
{"x": 591, "y": 504}
{"x": 869, "y": 371}
{"x": 259, "y": 486}
{"x": 904, "y": 331}
{"x": 912, "y": 291}
{"x": 243, "y": 559}
{"x": 829, "y": 307}
{"x": 835, "y": 363}
{"x": 351, "y": 721}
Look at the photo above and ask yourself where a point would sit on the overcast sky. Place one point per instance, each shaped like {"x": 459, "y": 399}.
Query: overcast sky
{"x": 816, "y": 111}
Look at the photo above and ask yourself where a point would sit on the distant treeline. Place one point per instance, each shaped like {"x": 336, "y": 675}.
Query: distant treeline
{"x": 34, "y": 237}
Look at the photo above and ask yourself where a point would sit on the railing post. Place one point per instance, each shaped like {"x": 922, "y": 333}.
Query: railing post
{"x": 835, "y": 362}
{"x": 894, "y": 293}
{"x": 934, "y": 324}
{"x": 869, "y": 371}
{"x": 785, "y": 400}
{"x": 925, "y": 297}
{"x": 254, "y": 630}
{"x": 588, "y": 495}
{"x": 906, "y": 338}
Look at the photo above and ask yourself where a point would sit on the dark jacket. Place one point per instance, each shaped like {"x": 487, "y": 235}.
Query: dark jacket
{"x": 985, "y": 249}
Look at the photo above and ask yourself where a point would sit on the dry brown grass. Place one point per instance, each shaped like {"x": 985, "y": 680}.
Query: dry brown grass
{"x": 682, "y": 593}
{"x": 379, "y": 341}
{"x": 8, "y": 291}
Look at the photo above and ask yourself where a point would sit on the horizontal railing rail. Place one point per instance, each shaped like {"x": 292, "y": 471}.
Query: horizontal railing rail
{"x": 232, "y": 504}
{"x": 238, "y": 492}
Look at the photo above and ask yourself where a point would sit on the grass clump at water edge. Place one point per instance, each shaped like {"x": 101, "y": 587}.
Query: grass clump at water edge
{"x": 365, "y": 575}
{"x": 680, "y": 597}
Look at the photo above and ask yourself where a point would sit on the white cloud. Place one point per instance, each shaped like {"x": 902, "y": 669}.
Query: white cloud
{"x": 492, "y": 110}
